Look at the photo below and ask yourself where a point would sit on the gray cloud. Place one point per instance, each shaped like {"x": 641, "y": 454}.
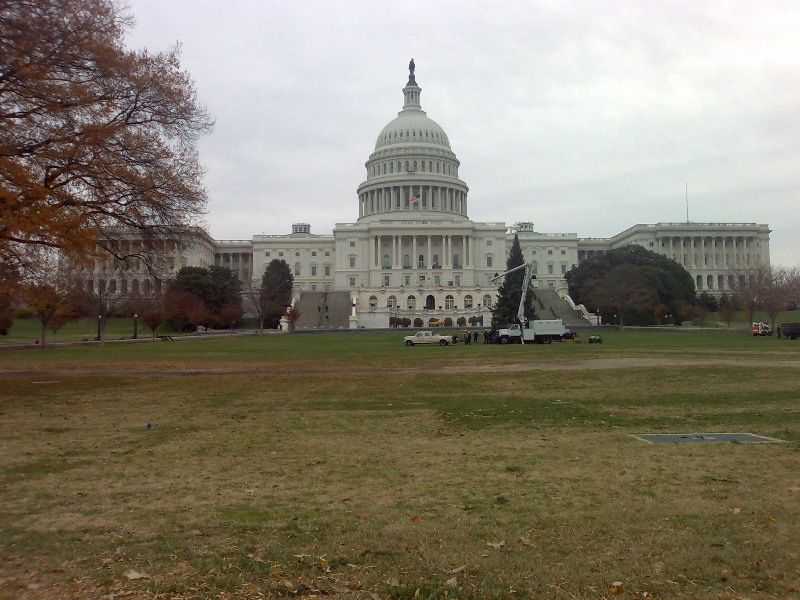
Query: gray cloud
{"x": 584, "y": 117}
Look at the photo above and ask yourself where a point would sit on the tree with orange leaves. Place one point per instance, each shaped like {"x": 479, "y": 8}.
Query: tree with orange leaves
{"x": 93, "y": 136}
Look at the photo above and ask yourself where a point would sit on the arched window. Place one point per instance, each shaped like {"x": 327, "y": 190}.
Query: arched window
{"x": 387, "y": 262}
{"x": 135, "y": 287}
{"x": 124, "y": 286}
{"x": 297, "y": 269}
{"x": 487, "y": 301}
{"x": 449, "y": 302}
{"x": 391, "y": 302}
{"x": 421, "y": 261}
{"x": 411, "y": 303}
{"x": 467, "y": 301}
{"x": 373, "y": 303}
{"x": 112, "y": 286}
{"x": 406, "y": 261}
{"x": 710, "y": 282}
{"x": 699, "y": 282}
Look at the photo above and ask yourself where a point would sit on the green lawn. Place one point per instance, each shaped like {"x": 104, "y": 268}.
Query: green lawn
{"x": 351, "y": 466}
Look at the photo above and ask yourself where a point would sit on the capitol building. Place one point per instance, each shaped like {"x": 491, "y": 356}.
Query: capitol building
{"x": 414, "y": 253}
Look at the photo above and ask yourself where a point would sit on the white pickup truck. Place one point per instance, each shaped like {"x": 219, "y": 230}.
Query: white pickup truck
{"x": 427, "y": 337}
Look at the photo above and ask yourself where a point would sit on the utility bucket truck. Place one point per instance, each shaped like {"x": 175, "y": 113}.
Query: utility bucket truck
{"x": 524, "y": 331}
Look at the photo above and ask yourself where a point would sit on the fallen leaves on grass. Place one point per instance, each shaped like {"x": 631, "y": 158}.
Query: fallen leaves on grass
{"x": 458, "y": 570}
{"x": 133, "y": 574}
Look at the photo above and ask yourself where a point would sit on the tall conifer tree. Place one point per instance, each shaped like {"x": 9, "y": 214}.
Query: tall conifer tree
{"x": 276, "y": 291}
{"x": 509, "y": 292}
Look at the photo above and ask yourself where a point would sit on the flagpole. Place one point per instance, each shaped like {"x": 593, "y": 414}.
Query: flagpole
{"x": 687, "y": 201}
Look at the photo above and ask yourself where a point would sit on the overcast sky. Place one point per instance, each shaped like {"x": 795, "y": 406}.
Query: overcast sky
{"x": 584, "y": 117}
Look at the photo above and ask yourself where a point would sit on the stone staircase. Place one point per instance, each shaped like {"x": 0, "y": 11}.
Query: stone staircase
{"x": 323, "y": 310}
{"x": 549, "y": 305}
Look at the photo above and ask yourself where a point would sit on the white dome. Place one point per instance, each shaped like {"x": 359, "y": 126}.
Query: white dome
{"x": 412, "y": 127}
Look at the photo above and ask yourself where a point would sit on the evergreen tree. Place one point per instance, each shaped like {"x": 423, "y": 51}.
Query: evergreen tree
{"x": 658, "y": 282}
{"x": 276, "y": 291}
{"x": 510, "y": 291}
{"x": 216, "y": 288}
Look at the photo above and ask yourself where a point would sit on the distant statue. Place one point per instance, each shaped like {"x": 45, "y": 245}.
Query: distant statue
{"x": 411, "y": 67}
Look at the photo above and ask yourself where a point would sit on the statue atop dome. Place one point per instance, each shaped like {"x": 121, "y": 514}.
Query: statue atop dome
{"x": 411, "y": 79}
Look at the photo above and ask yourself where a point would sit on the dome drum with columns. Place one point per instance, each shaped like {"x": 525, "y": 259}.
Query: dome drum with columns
{"x": 413, "y": 253}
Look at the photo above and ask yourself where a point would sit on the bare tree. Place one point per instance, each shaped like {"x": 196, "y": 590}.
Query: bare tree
{"x": 772, "y": 289}
{"x": 792, "y": 280}
{"x": 253, "y": 301}
{"x": 778, "y": 292}
{"x": 755, "y": 289}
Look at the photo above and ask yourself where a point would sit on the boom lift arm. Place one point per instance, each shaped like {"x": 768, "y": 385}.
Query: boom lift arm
{"x": 526, "y": 284}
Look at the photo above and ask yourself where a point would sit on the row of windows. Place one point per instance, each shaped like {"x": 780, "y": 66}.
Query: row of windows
{"x": 298, "y": 271}
{"x": 717, "y": 258}
{"x": 717, "y": 242}
{"x": 387, "y": 261}
{"x": 709, "y": 281}
{"x": 146, "y": 288}
{"x": 411, "y": 166}
{"x": 550, "y": 252}
{"x": 280, "y": 253}
{"x": 406, "y": 263}
{"x": 412, "y": 134}
{"x": 430, "y": 302}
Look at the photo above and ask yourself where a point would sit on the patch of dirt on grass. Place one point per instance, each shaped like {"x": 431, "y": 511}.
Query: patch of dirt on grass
{"x": 631, "y": 362}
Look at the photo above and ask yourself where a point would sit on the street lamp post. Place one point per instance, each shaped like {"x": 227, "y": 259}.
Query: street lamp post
{"x": 135, "y": 326}
{"x": 99, "y": 328}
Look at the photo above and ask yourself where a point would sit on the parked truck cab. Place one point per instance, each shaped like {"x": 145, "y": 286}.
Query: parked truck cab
{"x": 760, "y": 328}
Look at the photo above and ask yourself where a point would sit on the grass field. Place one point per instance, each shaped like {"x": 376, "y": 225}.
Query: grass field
{"x": 28, "y": 331}
{"x": 350, "y": 466}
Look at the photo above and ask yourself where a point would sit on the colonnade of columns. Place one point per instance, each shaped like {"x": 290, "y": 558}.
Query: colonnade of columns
{"x": 404, "y": 251}
{"x": 413, "y": 197}
{"x": 712, "y": 251}
{"x": 238, "y": 262}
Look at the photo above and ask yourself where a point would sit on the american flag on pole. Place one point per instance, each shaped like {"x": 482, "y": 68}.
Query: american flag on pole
{"x": 415, "y": 199}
